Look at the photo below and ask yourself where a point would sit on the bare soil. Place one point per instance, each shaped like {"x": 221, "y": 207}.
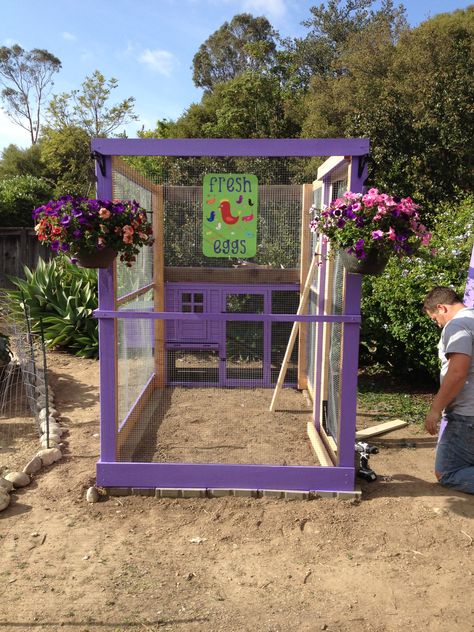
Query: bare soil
{"x": 402, "y": 559}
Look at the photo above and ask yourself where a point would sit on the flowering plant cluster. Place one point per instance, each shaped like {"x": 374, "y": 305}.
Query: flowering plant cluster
{"x": 372, "y": 222}
{"x": 74, "y": 224}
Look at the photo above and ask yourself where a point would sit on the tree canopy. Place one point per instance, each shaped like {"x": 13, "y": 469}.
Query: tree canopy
{"x": 27, "y": 77}
{"x": 246, "y": 43}
{"x": 89, "y": 108}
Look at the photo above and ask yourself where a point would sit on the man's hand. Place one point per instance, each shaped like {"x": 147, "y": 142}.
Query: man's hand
{"x": 431, "y": 422}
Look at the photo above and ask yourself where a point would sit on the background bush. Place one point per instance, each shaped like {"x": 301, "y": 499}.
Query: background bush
{"x": 64, "y": 297}
{"x": 19, "y": 195}
{"x": 395, "y": 332}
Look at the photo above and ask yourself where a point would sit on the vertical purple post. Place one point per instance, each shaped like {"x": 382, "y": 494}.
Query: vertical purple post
{"x": 469, "y": 293}
{"x": 350, "y": 342}
{"x": 350, "y": 365}
{"x": 107, "y": 359}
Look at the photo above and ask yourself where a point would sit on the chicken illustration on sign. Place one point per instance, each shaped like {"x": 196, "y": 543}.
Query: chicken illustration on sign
{"x": 230, "y": 215}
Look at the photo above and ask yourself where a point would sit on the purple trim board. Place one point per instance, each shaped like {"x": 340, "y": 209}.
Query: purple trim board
{"x": 199, "y": 147}
{"x": 224, "y": 476}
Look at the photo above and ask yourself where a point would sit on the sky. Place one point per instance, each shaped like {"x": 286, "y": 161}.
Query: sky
{"x": 147, "y": 45}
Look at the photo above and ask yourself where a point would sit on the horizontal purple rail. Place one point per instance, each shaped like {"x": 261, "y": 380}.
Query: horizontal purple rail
{"x": 232, "y": 147}
{"x": 224, "y": 476}
{"x": 304, "y": 318}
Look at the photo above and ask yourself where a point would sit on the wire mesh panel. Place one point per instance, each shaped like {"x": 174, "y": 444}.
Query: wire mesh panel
{"x": 283, "y": 302}
{"x": 332, "y": 419}
{"x": 244, "y": 339}
{"x": 130, "y": 279}
{"x": 160, "y": 417}
{"x": 135, "y": 358}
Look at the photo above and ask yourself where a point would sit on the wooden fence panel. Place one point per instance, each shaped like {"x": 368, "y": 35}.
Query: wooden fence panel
{"x": 18, "y": 247}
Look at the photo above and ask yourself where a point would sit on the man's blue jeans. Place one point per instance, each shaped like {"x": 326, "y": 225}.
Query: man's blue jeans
{"x": 455, "y": 453}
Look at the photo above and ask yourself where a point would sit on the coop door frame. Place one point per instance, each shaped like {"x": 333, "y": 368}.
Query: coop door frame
{"x": 339, "y": 477}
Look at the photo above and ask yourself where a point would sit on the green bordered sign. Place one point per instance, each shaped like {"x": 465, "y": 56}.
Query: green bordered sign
{"x": 230, "y": 213}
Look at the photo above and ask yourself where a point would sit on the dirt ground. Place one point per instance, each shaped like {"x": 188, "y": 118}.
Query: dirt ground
{"x": 402, "y": 559}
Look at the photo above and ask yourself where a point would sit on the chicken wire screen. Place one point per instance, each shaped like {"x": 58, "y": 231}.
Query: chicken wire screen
{"x": 206, "y": 422}
{"x": 200, "y": 392}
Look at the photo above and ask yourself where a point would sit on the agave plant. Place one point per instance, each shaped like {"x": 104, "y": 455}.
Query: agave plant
{"x": 63, "y": 297}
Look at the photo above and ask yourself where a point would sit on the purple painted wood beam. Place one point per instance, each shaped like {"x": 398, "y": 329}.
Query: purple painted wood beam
{"x": 231, "y": 147}
{"x": 107, "y": 381}
{"x": 224, "y": 476}
{"x": 350, "y": 364}
{"x": 278, "y": 318}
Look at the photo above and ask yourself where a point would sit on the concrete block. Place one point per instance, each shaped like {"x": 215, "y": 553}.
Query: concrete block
{"x": 349, "y": 495}
{"x": 273, "y": 493}
{"x": 167, "y": 492}
{"x": 318, "y": 494}
{"x": 194, "y": 492}
{"x": 143, "y": 491}
{"x": 118, "y": 491}
{"x": 296, "y": 495}
{"x": 219, "y": 493}
{"x": 246, "y": 493}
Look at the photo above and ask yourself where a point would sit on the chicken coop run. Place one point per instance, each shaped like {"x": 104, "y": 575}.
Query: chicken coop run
{"x": 229, "y": 350}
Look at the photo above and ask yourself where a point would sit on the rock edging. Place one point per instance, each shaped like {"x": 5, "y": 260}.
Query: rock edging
{"x": 50, "y": 443}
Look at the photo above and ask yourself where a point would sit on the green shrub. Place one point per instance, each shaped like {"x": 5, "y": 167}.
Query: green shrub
{"x": 64, "y": 297}
{"x": 19, "y": 196}
{"x": 395, "y": 331}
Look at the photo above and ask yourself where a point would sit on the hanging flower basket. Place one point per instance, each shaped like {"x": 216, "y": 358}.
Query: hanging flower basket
{"x": 100, "y": 258}
{"x": 372, "y": 264}
{"x": 369, "y": 229}
{"x": 93, "y": 232}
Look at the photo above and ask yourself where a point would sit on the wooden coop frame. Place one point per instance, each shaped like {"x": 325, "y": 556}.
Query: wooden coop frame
{"x": 335, "y": 473}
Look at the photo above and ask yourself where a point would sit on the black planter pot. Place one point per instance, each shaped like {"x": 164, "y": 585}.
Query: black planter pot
{"x": 102, "y": 258}
{"x": 373, "y": 263}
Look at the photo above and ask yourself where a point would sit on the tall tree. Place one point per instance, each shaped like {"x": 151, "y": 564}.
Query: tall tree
{"x": 21, "y": 162}
{"x": 27, "y": 77}
{"x": 66, "y": 156}
{"x": 88, "y": 107}
{"x": 244, "y": 43}
{"x": 332, "y": 26}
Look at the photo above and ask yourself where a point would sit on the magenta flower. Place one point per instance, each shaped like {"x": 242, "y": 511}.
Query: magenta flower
{"x": 377, "y": 234}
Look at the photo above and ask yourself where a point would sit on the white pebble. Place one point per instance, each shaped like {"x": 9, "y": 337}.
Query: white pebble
{"x": 52, "y": 443}
{"x": 4, "y": 499}
{"x": 5, "y": 486}
{"x": 50, "y": 455}
{"x": 92, "y": 495}
{"x": 53, "y": 413}
{"x": 19, "y": 479}
{"x": 33, "y": 466}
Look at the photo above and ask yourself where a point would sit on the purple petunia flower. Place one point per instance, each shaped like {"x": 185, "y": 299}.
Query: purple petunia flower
{"x": 55, "y": 245}
{"x": 66, "y": 220}
{"x": 77, "y": 234}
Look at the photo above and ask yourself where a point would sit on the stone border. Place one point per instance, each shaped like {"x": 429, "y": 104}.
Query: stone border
{"x": 169, "y": 492}
{"x": 50, "y": 442}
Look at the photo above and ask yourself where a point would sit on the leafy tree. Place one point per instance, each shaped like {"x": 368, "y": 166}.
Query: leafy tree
{"x": 27, "y": 80}
{"x": 88, "y": 108}
{"x": 245, "y": 43}
{"x": 67, "y": 159}
{"x": 19, "y": 196}
{"x": 21, "y": 162}
{"x": 331, "y": 27}
{"x": 412, "y": 98}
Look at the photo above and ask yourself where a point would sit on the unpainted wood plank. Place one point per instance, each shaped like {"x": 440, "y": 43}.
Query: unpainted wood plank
{"x": 318, "y": 445}
{"x": 387, "y": 426}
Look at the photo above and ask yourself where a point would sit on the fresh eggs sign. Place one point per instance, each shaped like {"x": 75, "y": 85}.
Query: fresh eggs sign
{"x": 230, "y": 211}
